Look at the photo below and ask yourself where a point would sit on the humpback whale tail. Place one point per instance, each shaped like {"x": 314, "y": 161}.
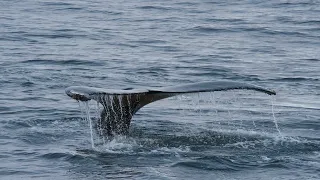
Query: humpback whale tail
{"x": 120, "y": 105}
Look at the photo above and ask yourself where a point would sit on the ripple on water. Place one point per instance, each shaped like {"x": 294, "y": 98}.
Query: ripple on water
{"x": 49, "y": 45}
{"x": 63, "y": 62}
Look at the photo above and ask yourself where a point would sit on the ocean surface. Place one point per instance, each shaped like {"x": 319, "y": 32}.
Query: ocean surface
{"x": 46, "y": 46}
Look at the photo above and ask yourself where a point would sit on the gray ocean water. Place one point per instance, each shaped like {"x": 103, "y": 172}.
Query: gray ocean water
{"x": 46, "y": 46}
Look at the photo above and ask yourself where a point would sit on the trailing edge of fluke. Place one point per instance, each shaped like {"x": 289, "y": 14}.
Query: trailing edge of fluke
{"x": 121, "y": 105}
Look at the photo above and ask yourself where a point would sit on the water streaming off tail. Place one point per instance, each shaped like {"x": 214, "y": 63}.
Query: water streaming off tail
{"x": 232, "y": 111}
{"x": 274, "y": 117}
{"x": 89, "y": 120}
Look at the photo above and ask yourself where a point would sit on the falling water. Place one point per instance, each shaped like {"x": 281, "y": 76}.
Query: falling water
{"x": 274, "y": 118}
{"x": 129, "y": 105}
{"x": 82, "y": 110}
{"x": 120, "y": 105}
{"x": 98, "y": 120}
{"x": 253, "y": 122}
{"x": 88, "y": 118}
{"x": 196, "y": 104}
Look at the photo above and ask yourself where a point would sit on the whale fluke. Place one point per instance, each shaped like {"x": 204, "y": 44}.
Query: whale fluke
{"x": 120, "y": 105}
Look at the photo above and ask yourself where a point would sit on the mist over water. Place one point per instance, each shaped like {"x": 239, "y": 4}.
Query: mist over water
{"x": 46, "y": 46}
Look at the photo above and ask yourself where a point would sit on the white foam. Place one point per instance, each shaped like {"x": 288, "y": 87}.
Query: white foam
{"x": 119, "y": 146}
{"x": 171, "y": 150}
{"x": 265, "y": 158}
